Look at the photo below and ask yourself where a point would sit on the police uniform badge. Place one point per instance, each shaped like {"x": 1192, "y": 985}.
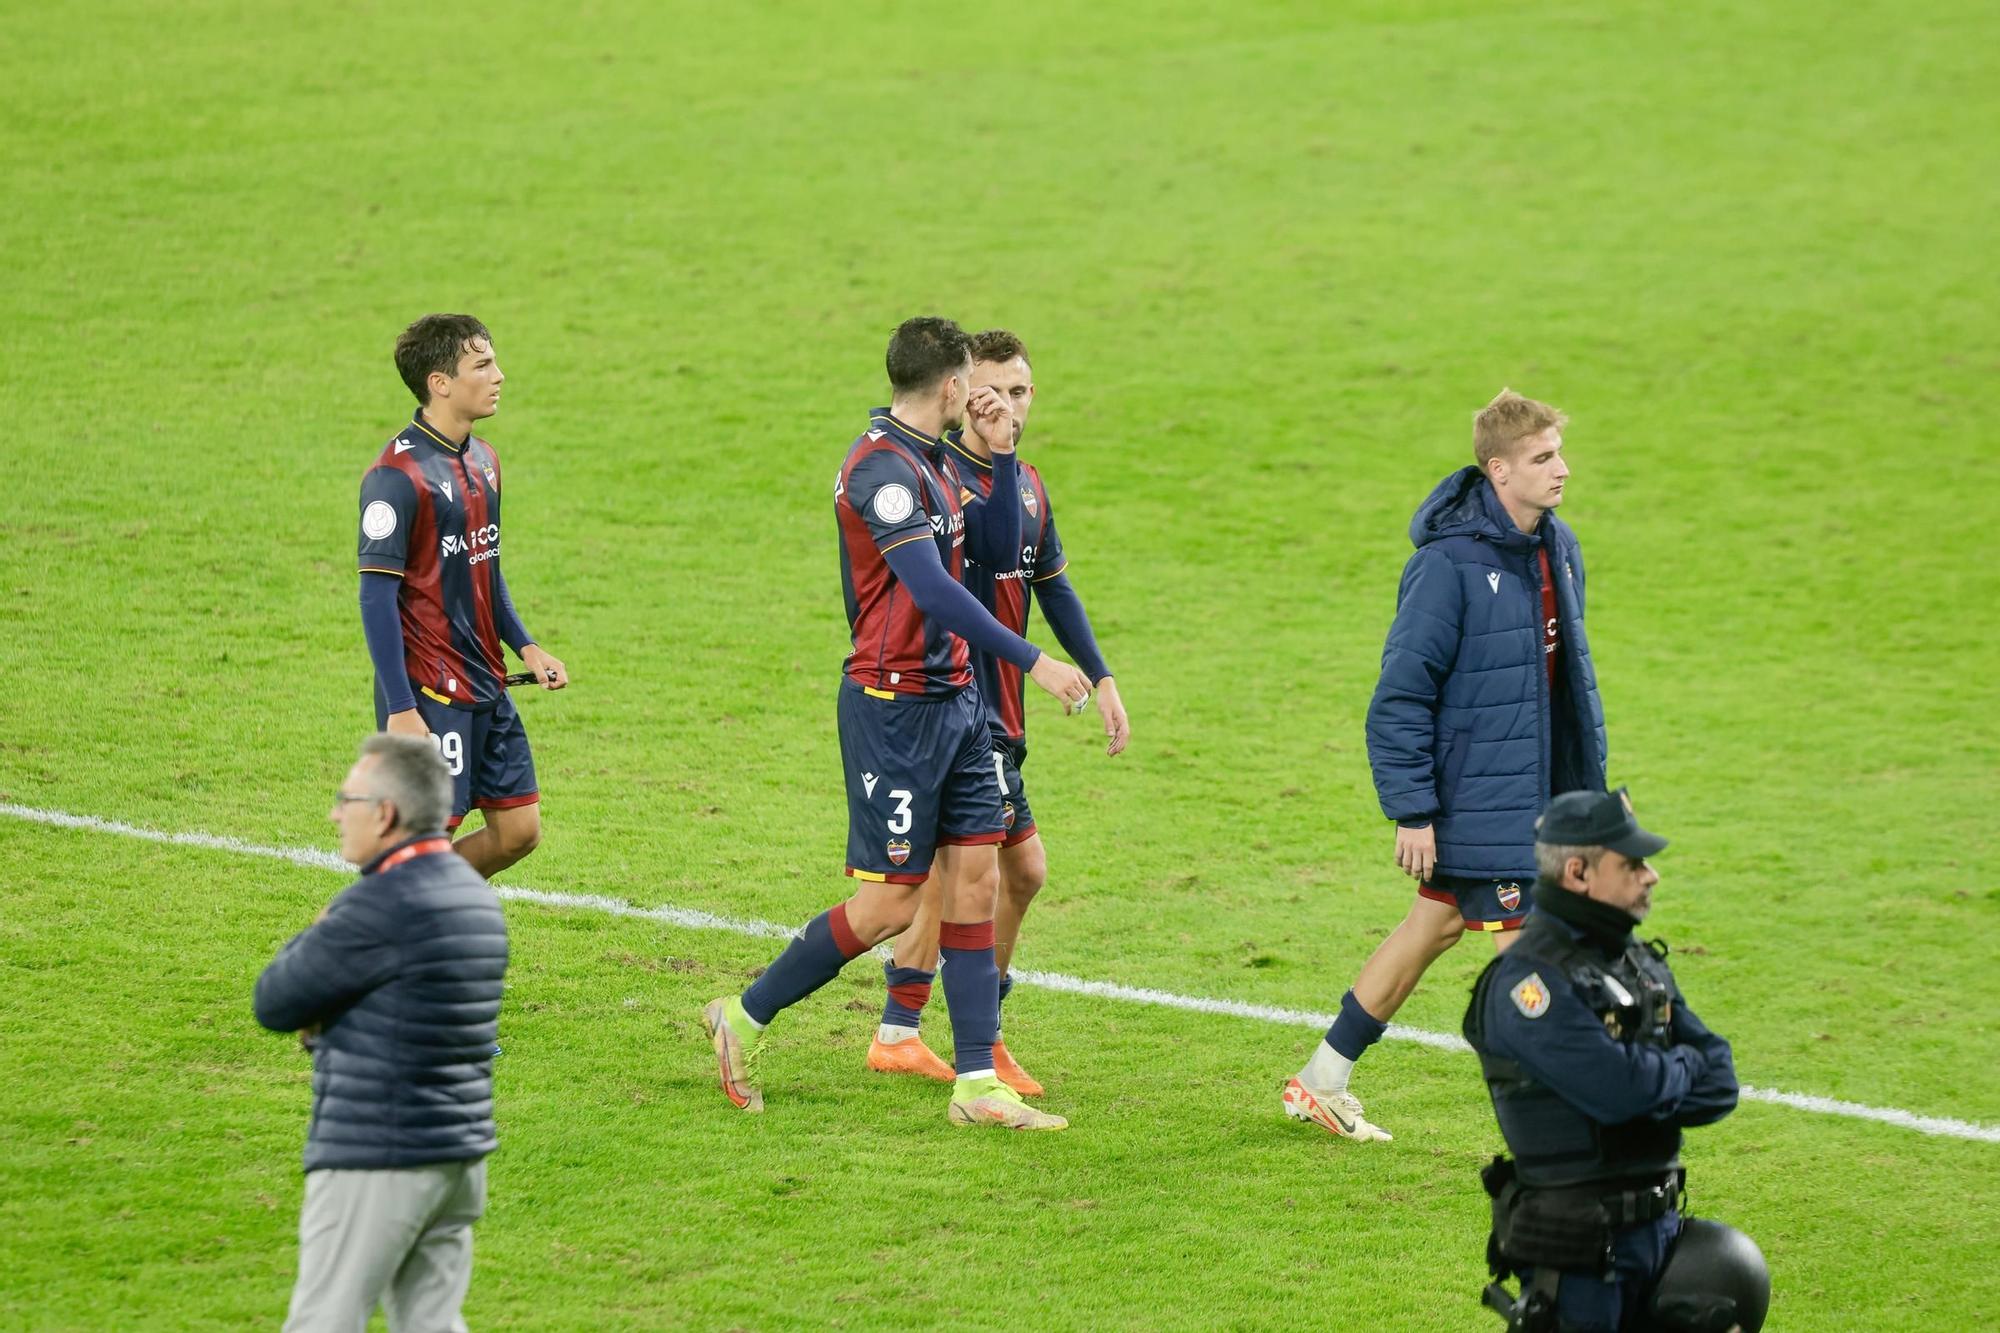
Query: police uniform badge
{"x": 1530, "y": 996}
{"x": 899, "y": 851}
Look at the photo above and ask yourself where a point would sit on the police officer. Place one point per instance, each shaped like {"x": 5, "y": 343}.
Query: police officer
{"x": 1595, "y": 1064}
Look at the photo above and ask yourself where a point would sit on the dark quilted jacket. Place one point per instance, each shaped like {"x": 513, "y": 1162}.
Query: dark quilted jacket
{"x": 404, "y": 976}
{"x": 1463, "y": 730}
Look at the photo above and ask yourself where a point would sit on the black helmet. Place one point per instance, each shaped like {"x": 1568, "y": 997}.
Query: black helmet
{"x": 1715, "y": 1280}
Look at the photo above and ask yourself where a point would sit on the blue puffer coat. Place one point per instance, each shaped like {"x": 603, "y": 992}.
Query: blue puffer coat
{"x": 403, "y": 975}
{"x": 1463, "y": 730}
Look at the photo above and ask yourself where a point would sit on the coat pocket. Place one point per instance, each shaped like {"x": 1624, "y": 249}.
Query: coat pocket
{"x": 1452, "y": 747}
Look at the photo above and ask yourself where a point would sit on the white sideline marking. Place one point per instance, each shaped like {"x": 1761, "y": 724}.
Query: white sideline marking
{"x": 690, "y": 918}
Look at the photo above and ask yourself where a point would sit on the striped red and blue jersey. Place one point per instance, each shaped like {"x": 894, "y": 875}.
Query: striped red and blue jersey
{"x": 1001, "y": 685}
{"x": 893, "y": 490}
{"x": 430, "y": 514}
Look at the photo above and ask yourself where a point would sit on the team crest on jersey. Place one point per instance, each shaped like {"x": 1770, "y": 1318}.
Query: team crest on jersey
{"x": 492, "y": 482}
{"x": 899, "y": 851}
{"x": 1530, "y": 996}
{"x": 1029, "y": 502}
{"x": 1510, "y": 896}
{"x": 1007, "y": 815}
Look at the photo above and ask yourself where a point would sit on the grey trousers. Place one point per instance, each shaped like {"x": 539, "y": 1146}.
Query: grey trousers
{"x": 398, "y": 1238}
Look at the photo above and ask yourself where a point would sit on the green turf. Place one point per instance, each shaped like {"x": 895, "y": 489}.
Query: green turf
{"x": 1268, "y": 259}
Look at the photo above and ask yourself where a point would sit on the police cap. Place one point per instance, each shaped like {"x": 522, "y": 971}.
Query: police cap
{"x": 1596, "y": 819}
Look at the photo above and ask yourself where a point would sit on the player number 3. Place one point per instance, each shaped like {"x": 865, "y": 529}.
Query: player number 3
{"x": 452, "y": 746}
{"x": 900, "y": 821}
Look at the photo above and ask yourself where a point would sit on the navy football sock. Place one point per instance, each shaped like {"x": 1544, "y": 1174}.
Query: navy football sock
{"x": 971, "y": 993}
{"x": 1354, "y": 1029}
{"x": 909, "y": 990}
{"x": 808, "y": 962}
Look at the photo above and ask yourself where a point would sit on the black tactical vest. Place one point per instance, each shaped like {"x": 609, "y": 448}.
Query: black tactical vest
{"x": 1553, "y": 1143}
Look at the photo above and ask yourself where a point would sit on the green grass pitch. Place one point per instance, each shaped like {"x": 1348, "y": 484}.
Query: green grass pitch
{"x": 1269, "y": 257}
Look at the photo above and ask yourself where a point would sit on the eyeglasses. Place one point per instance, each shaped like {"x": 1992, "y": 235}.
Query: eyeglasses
{"x": 343, "y": 798}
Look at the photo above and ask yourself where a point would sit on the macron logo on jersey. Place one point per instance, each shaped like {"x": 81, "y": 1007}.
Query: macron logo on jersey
{"x": 445, "y": 486}
{"x": 403, "y": 447}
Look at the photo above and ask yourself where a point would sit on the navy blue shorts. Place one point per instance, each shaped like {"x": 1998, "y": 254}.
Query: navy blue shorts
{"x": 486, "y": 750}
{"x": 1019, "y": 821}
{"x": 1483, "y": 904}
{"x": 920, "y": 775}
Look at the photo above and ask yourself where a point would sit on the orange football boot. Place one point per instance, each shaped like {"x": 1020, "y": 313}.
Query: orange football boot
{"x": 1011, "y": 1073}
{"x": 909, "y": 1056}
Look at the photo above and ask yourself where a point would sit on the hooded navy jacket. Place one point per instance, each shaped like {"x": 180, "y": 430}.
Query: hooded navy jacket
{"x": 1464, "y": 731}
{"x": 403, "y": 975}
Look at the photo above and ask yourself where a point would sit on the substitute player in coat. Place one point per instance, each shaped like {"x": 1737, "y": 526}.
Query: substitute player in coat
{"x": 1486, "y": 707}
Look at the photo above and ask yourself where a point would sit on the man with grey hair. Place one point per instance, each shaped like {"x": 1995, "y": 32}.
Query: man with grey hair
{"x": 395, "y": 989}
{"x": 1595, "y": 1063}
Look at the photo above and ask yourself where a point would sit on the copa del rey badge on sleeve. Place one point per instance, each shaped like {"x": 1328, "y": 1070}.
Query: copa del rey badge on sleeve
{"x": 1530, "y": 996}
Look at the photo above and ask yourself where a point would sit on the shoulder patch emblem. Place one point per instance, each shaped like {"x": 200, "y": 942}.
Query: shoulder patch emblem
{"x": 894, "y": 503}
{"x": 1530, "y": 996}
{"x": 378, "y": 520}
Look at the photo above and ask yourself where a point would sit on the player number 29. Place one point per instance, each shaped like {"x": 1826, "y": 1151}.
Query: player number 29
{"x": 900, "y": 821}
{"x": 452, "y": 746}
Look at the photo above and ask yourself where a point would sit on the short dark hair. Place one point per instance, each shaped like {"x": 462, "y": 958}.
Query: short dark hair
{"x": 924, "y": 350}
{"x": 434, "y": 343}
{"x": 411, "y": 775}
{"x": 998, "y": 345}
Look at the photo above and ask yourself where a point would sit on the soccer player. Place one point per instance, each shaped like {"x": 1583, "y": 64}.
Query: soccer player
{"x": 918, "y": 758}
{"x": 1486, "y": 708}
{"x": 434, "y": 606}
{"x": 999, "y": 363}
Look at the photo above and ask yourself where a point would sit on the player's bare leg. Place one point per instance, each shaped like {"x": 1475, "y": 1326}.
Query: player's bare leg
{"x": 1024, "y": 868}
{"x": 1318, "y": 1093}
{"x": 505, "y": 837}
{"x": 898, "y": 1047}
{"x": 1400, "y": 961}
{"x": 829, "y": 942}
{"x": 970, "y": 878}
